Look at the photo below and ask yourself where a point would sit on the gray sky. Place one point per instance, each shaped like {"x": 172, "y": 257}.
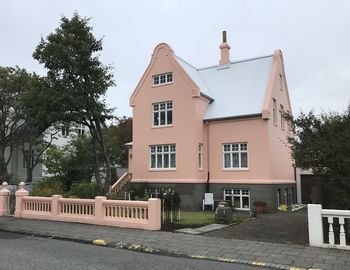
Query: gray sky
{"x": 314, "y": 37}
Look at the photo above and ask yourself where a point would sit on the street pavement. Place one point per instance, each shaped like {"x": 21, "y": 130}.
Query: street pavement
{"x": 28, "y": 253}
{"x": 273, "y": 255}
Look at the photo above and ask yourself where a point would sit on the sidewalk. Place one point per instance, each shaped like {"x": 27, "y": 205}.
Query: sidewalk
{"x": 274, "y": 255}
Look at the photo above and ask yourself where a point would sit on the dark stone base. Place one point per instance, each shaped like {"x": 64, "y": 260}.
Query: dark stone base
{"x": 193, "y": 194}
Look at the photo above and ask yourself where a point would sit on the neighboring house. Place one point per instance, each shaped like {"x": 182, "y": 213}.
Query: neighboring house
{"x": 219, "y": 129}
{"x": 17, "y": 167}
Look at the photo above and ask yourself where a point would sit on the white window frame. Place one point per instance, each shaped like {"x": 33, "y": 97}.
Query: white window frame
{"x": 238, "y": 192}
{"x": 25, "y": 159}
{"x": 200, "y": 156}
{"x": 160, "y": 151}
{"x": 162, "y": 79}
{"x": 157, "y": 109}
{"x": 65, "y": 130}
{"x": 274, "y": 111}
{"x": 282, "y": 117}
{"x": 231, "y": 151}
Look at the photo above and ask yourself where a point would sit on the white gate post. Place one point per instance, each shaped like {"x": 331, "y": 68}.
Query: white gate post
{"x": 4, "y": 200}
{"x": 315, "y": 225}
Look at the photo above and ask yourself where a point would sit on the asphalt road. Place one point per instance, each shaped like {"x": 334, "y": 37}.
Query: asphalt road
{"x": 26, "y": 252}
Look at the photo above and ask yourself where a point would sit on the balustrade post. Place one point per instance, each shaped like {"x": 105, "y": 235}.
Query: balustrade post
{"x": 99, "y": 209}
{"x": 154, "y": 214}
{"x": 330, "y": 231}
{"x": 342, "y": 231}
{"x": 20, "y": 193}
{"x": 4, "y": 200}
{"x": 315, "y": 225}
{"x": 55, "y": 210}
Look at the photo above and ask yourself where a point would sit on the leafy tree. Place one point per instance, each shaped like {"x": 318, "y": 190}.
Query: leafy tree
{"x": 78, "y": 81}
{"x": 322, "y": 143}
{"x": 116, "y": 137}
{"x": 13, "y": 82}
{"x": 72, "y": 163}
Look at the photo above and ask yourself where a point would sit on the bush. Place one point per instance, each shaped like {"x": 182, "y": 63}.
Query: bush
{"x": 47, "y": 187}
{"x": 84, "y": 191}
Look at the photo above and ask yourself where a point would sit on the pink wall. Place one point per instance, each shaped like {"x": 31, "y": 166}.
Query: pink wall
{"x": 252, "y": 131}
{"x": 187, "y": 128}
{"x": 279, "y": 153}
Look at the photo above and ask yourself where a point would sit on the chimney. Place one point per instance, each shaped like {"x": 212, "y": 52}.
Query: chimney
{"x": 225, "y": 51}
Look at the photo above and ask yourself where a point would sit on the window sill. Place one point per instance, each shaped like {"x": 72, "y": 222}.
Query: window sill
{"x": 236, "y": 169}
{"x": 163, "y": 126}
{"x": 162, "y": 170}
{"x": 163, "y": 84}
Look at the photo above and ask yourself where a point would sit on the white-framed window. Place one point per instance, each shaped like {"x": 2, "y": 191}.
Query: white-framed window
{"x": 80, "y": 130}
{"x": 274, "y": 111}
{"x": 235, "y": 155}
{"x": 65, "y": 130}
{"x": 25, "y": 159}
{"x": 240, "y": 198}
{"x": 282, "y": 116}
{"x": 162, "y": 156}
{"x": 163, "y": 78}
{"x": 200, "y": 156}
{"x": 162, "y": 113}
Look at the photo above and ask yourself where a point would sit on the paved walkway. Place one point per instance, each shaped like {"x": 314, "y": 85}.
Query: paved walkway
{"x": 281, "y": 227}
{"x": 274, "y": 255}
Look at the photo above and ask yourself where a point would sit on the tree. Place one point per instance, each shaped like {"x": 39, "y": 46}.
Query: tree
{"x": 322, "y": 143}
{"x": 72, "y": 163}
{"x": 13, "y": 82}
{"x": 78, "y": 81}
{"x": 116, "y": 137}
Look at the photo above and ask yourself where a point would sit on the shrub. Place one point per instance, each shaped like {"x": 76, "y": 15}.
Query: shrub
{"x": 47, "y": 187}
{"x": 84, "y": 191}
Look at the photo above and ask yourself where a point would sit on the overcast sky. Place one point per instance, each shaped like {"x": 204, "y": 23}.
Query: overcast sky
{"x": 314, "y": 37}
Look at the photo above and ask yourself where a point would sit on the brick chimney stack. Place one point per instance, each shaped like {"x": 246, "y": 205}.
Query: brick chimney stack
{"x": 224, "y": 50}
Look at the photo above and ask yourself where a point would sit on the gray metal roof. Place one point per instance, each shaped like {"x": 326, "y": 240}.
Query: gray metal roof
{"x": 237, "y": 89}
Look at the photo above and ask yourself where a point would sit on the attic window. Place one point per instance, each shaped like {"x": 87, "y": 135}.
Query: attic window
{"x": 163, "y": 78}
{"x": 281, "y": 82}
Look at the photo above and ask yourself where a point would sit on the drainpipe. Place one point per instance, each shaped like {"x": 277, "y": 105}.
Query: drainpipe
{"x": 208, "y": 160}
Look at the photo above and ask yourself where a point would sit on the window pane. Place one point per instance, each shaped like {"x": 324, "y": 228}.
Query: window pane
{"x": 156, "y": 80}
{"x": 169, "y": 105}
{"x": 236, "y": 202}
{"x": 162, "y": 118}
{"x": 156, "y": 107}
{"x": 169, "y": 117}
{"x": 244, "y": 147}
{"x": 235, "y": 162}
{"x": 234, "y": 147}
{"x": 227, "y": 147}
{"x": 162, "y": 78}
{"x": 162, "y": 106}
{"x": 227, "y": 160}
{"x": 173, "y": 160}
{"x": 166, "y": 148}
{"x": 159, "y": 161}
{"x": 166, "y": 161}
{"x": 169, "y": 77}
{"x": 159, "y": 148}
{"x": 153, "y": 149}
{"x": 172, "y": 148}
{"x": 153, "y": 161}
{"x": 156, "y": 119}
{"x": 244, "y": 160}
{"x": 245, "y": 201}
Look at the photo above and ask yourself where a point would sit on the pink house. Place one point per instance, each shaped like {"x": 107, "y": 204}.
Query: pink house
{"x": 218, "y": 129}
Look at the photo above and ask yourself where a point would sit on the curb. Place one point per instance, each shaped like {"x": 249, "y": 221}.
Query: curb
{"x": 150, "y": 250}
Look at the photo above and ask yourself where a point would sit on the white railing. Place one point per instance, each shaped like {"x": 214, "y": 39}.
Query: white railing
{"x": 99, "y": 211}
{"x": 333, "y": 218}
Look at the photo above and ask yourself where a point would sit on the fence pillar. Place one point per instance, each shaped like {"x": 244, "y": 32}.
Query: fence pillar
{"x": 99, "y": 211}
{"x": 154, "y": 214}
{"x": 4, "y": 200}
{"x": 55, "y": 211}
{"x": 315, "y": 225}
{"x": 20, "y": 193}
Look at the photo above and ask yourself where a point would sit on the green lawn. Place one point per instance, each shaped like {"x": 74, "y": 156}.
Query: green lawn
{"x": 202, "y": 218}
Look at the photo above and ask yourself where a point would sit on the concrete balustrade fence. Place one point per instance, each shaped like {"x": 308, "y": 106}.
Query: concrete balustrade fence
{"x": 328, "y": 227}
{"x": 99, "y": 211}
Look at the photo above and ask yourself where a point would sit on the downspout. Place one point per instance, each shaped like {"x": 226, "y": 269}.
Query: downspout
{"x": 208, "y": 160}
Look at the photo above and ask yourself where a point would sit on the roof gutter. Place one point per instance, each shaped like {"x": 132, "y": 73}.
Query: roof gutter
{"x": 245, "y": 116}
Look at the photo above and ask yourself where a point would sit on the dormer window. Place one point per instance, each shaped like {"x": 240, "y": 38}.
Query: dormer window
{"x": 163, "y": 78}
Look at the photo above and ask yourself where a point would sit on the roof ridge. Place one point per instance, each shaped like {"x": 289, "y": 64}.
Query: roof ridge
{"x": 239, "y": 61}
{"x": 186, "y": 62}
